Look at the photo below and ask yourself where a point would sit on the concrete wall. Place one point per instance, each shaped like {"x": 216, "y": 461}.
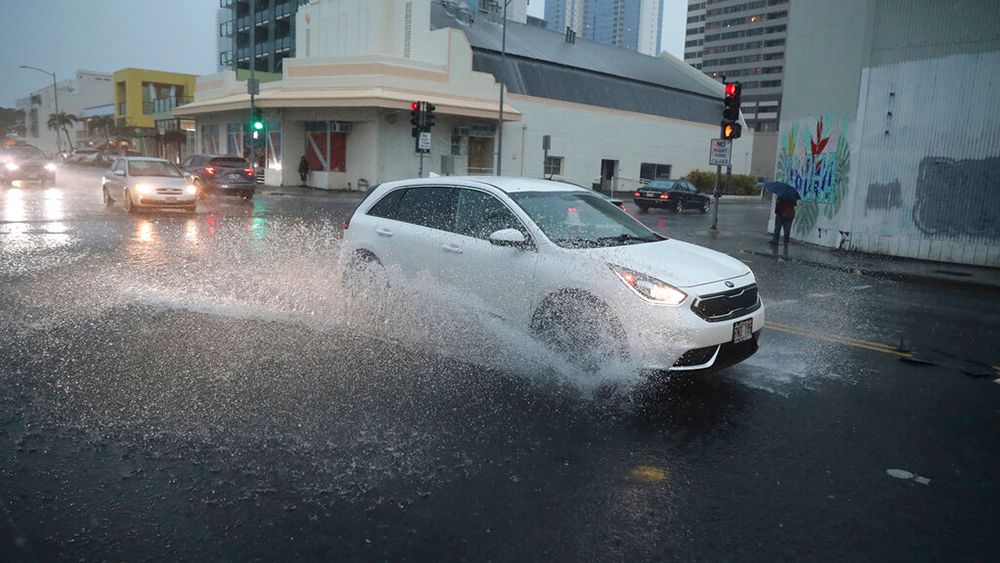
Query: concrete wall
{"x": 584, "y": 135}
{"x": 885, "y": 130}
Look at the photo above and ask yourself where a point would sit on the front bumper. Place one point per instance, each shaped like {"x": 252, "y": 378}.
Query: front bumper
{"x": 156, "y": 200}
{"x": 27, "y": 174}
{"x": 654, "y": 202}
{"x": 675, "y": 338}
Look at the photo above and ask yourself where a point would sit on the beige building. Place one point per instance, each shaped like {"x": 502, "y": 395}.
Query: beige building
{"x": 615, "y": 117}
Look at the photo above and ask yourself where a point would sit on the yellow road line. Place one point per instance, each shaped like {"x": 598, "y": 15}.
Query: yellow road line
{"x": 874, "y": 346}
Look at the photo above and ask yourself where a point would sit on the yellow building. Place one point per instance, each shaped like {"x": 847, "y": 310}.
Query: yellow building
{"x": 145, "y": 100}
{"x": 141, "y": 93}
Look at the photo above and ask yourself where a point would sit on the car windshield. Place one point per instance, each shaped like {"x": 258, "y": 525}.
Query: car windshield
{"x": 229, "y": 162}
{"x": 582, "y": 220}
{"x": 21, "y": 153}
{"x": 153, "y": 168}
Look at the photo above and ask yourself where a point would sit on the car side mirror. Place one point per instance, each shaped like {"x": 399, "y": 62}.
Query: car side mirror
{"x": 119, "y": 173}
{"x": 508, "y": 237}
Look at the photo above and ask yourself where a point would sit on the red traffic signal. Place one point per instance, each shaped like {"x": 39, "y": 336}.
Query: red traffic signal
{"x": 731, "y": 131}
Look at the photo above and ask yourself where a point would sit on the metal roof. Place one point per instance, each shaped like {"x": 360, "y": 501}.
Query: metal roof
{"x": 541, "y": 63}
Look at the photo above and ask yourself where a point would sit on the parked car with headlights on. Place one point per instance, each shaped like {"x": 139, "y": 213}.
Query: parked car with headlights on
{"x": 26, "y": 163}
{"x": 142, "y": 182}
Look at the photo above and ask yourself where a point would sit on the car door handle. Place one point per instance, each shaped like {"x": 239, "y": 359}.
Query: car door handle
{"x": 384, "y": 232}
{"x": 451, "y": 248}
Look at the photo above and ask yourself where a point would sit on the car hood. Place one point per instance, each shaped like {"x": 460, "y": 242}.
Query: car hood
{"x": 159, "y": 181}
{"x": 680, "y": 264}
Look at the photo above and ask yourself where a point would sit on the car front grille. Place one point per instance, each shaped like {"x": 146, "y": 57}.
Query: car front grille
{"x": 727, "y": 305}
{"x": 169, "y": 191}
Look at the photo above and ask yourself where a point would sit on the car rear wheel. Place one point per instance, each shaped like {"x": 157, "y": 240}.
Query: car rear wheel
{"x": 581, "y": 329}
{"x": 246, "y": 196}
{"x": 108, "y": 202}
{"x": 705, "y": 206}
{"x": 678, "y": 207}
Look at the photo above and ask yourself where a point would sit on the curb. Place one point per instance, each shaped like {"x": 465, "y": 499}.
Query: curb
{"x": 884, "y": 274}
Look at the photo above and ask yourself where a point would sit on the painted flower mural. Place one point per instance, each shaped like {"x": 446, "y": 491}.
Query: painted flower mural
{"x": 818, "y": 166}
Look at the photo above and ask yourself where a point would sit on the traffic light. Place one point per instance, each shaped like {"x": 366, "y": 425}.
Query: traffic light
{"x": 429, "y": 117}
{"x": 416, "y": 116}
{"x": 731, "y": 129}
{"x": 257, "y": 124}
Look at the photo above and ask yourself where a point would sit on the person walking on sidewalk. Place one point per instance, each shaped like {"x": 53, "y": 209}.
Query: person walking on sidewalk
{"x": 784, "y": 214}
{"x": 303, "y": 169}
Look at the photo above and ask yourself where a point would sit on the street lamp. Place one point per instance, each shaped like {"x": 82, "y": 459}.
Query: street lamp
{"x": 55, "y": 95}
{"x": 503, "y": 78}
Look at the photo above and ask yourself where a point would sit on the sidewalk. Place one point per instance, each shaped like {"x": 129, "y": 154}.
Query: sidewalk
{"x": 891, "y": 267}
{"x": 299, "y": 191}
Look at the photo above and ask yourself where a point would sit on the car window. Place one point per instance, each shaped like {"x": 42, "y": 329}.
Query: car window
{"x": 229, "y": 162}
{"x": 432, "y": 207}
{"x": 119, "y": 165}
{"x": 479, "y": 215}
{"x": 388, "y": 205}
{"x": 662, "y": 184}
{"x": 187, "y": 162}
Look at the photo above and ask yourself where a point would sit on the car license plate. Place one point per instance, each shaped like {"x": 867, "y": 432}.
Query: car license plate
{"x": 171, "y": 198}
{"x": 232, "y": 176}
{"x": 742, "y": 331}
{"x": 650, "y": 194}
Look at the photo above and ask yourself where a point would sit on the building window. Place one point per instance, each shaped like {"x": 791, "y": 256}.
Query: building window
{"x": 326, "y": 146}
{"x": 456, "y": 145}
{"x": 649, "y": 171}
{"x": 210, "y": 139}
{"x": 553, "y": 165}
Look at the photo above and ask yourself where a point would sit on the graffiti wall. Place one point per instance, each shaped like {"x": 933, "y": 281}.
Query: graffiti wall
{"x": 815, "y": 158}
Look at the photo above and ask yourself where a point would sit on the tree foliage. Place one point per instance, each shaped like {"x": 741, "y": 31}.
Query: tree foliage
{"x": 739, "y": 184}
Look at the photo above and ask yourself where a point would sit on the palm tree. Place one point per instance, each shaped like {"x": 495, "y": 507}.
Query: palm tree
{"x": 63, "y": 121}
{"x": 104, "y": 123}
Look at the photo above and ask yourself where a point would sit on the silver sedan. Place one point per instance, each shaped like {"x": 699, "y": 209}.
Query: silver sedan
{"x": 140, "y": 182}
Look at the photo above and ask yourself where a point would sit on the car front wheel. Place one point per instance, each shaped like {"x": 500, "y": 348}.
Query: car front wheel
{"x": 581, "y": 329}
{"x": 108, "y": 202}
{"x": 705, "y": 206}
{"x": 679, "y": 207}
{"x": 130, "y": 206}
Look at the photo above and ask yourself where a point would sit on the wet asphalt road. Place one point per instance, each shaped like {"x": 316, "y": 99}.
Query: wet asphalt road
{"x": 179, "y": 386}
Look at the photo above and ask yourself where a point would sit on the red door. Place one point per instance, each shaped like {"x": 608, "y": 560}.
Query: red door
{"x": 338, "y": 152}
{"x": 316, "y": 150}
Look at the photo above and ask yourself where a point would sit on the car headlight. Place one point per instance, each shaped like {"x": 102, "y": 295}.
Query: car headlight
{"x": 50, "y": 167}
{"x": 144, "y": 188}
{"x": 191, "y": 189}
{"x": 650, "y": 288}
{"x": 12, "y": 167}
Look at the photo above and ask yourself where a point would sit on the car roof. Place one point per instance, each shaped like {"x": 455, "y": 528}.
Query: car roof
{"x": 145, "y": 158}
{"x": 507, "y": 184}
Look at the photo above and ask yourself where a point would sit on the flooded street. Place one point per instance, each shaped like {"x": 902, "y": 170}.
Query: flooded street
{"x": 195, "y": 386}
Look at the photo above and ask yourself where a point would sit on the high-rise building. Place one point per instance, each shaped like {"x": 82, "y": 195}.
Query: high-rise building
{"x": 744, "y": 42}
{"x": 629, "y": 24}
{"x": 273, "y": 25}
{"x": 517, "y": 10}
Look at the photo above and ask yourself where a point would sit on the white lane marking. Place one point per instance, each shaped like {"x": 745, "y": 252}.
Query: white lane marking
{"x": 821, "y": 295}
{"x": 860, "y": 287}
{"x": 780, "y": 302}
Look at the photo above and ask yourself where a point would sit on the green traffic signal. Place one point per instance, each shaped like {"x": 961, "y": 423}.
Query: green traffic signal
{"x": 258, "y": 125}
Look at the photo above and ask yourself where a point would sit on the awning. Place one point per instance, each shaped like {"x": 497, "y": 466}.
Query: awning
{"x": 377, "y": 96}
{"x": 97, "y": 111}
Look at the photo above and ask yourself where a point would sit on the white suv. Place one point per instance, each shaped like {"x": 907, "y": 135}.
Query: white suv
{"x": 563, "y": 263}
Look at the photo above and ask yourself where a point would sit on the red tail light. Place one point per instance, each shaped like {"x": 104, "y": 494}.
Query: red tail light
{"x": 637, "y": 194}
{"x": 664, "y": 196}
{"x": 210, "y": 170}
{"x": 347, "y": 224}
{"x": 248, "y": 171}
{"x": 622, "y": 206}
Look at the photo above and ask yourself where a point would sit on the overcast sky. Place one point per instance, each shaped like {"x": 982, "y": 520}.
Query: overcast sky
{"x": 62, "y": 36}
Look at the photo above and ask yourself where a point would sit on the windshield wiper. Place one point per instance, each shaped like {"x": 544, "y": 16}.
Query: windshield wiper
{"x": 626, "y": 237}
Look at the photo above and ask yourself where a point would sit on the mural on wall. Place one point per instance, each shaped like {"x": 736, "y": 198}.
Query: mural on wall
{"x": 816, "y": 160}
{"x": 958, "y": 198}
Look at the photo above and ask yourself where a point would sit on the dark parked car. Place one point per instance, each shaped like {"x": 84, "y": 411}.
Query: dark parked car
{"x": 26, "y": 162}
{"x": 221, "y": 174}
{"x": 672, "y": 194}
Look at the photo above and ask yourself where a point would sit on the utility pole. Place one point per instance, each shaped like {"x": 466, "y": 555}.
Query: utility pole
{"x": 252, "y": 85}
{"x": 55, "y": 99}
{"x": 503, "y": 78}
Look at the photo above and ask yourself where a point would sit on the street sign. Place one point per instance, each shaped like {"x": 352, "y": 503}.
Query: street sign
{"x": 721, "y": 152}
{"x": 546, "y": 142}
{"x": 424, "y": 142}
{"x": 253, "y": 86}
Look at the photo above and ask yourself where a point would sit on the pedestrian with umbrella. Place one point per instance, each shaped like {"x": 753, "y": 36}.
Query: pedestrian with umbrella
{"x": 784, "y": 208}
